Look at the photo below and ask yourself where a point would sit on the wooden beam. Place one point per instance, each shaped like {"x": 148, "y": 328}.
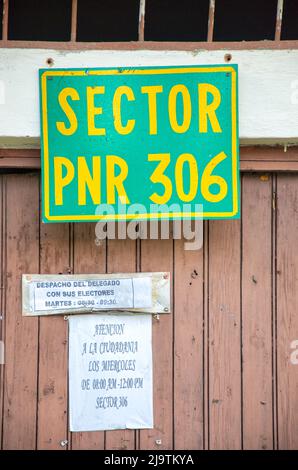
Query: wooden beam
{"x": 279, "y": 14}
{"x": 5, "y": 21}
{"x": 151, "y": 45}
{"x": 266, "y": 153}
{"x": 142, "y": 19}
{"x": 251, "y": 159}
{"x": 20, "y": 159}
{"x": 19, "y": 153}
{"x": 74, "y": 13}
{"x": 276, "y": 166}
{"x": 211, "y": 20}
{"x": 20, "y": 162}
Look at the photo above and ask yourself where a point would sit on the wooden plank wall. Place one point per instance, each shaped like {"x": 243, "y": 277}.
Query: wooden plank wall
{"x": 223, "y": 376}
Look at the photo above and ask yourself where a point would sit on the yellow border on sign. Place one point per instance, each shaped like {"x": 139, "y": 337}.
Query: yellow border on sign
{"x": 124, "y": 71}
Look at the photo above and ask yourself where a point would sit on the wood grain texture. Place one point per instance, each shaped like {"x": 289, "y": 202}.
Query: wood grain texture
{"x": 278, "y": 153}
{"x": 88, "y": 258}
{"x": 206, "y": 333}
{"x": 21, "y": 335}
{"x": 157, "y": 255}
{"x": 211, "y": 20}
{"x": 53, "y": 346}
{"x": 188, "y": 349}
{"x": 279, "y": 15}
{"x": 152, "y": 45}
{"x": 141, "y": 27}
{"x": 5, "y": 21}
{"x": 257, "y": 312}
{"x": 224, "y": 335}
{"x": 268, "y": 166}
{"x": 74, "y": 14}
{"x": 287, "y": 303}
{"x": 121, "y": 258}
{"x": 239, "y": 383}
{"x": 15, "y": 162}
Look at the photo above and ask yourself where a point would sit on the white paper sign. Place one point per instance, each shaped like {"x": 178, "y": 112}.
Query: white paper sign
{"x": 51, "y": 294}
{"x": 110, "y": 372}
{"x": 93, "y": 293}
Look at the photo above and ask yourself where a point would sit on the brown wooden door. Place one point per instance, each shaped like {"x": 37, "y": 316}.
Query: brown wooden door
{"x": 223, "y": 376}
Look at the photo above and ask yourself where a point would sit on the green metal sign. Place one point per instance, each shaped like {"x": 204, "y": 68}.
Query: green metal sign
{"x": 139, "y": 143}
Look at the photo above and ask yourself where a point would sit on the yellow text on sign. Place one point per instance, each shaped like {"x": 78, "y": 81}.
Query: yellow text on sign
{"x": 207, "y": 102}
{"x": 64, "y": 174}
{"x": 117, "y": 172}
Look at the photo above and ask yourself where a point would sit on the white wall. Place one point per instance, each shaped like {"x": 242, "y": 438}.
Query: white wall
{"x": 268, "y": 87}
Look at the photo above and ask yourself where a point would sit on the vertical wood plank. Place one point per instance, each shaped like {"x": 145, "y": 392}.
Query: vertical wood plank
{"x": 121, "y": 258}
{"x": 5, "y": 20}
{"x": 188, "y": 355}
{"x": 74, "y": 21}
{"x": 274, "y": 301}
{"x": 141, "y": 28}
{"x": 157, "y": 255}
{"x": 257, "y": 312}
{"x": 206, "y": 332}
{"x": 2, "y": 313}
{"x": 278, "y": 24}
{"x": 89, "y": 258}
{"x": 224, "y": 335}
{"x": 211, "y": 20}
{"x": 21, "y": 334}
{"x": 287, "y": 317}
{"x": 53, "y": 344}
